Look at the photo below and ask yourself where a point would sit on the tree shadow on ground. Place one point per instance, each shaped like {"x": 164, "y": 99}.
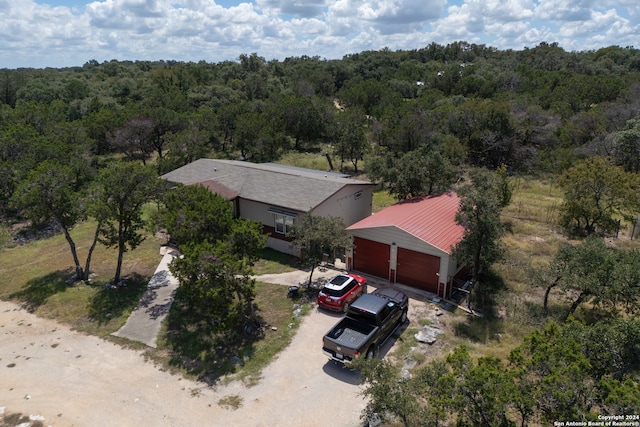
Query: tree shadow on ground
{"x": 110, "y": 302}
{"x": 485, "y": 293}
{"x": 198, "y": 348}
{"x": 534, "y": 314}
{"x": 306, "y": 293}
{"x": 489, "y": 326}
{"x": 480, "y": 329}
{"x": 38, "y": 290}
{"x": 271, "y": 255}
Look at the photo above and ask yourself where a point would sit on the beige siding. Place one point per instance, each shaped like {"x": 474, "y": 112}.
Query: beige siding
{"x": 257, "y": 211}
{"x": 282, "y": 246}
{"x": 343, "y": 204}
{"x": 390, "y": 235}
{"x": 352, "y": 203}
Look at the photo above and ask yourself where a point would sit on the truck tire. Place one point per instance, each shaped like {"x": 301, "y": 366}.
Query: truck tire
{"x": 403, "y": 317}
{"x": 372, "y": 352}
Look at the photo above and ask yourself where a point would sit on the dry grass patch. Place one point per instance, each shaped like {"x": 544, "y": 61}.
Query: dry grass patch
{"x": 37, "y": 276}
{"x": 315, "y": 160}
{"x": 231, "y": 402}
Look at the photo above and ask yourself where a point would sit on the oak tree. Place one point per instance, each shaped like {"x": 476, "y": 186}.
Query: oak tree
{"x": 123, "y": 189}
{"x": 596, "y": 194}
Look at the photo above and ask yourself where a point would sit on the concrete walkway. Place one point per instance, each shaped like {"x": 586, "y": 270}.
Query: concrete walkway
{"x": 146, "y": 319}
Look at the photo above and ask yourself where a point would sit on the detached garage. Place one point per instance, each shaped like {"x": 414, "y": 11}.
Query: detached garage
{"x": 410, "y": 243}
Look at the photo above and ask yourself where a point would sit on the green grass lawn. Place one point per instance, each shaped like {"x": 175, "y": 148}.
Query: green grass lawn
{"x": 272, "y": 261}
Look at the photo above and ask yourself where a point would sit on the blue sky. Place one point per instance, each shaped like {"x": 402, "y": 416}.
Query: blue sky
{"x": 61, "y": 33}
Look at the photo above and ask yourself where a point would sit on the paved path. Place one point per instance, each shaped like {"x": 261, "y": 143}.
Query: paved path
{"x": 146, "y": 319}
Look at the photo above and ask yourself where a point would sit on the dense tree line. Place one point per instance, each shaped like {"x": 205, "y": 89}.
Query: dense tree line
{"x": 533, "y": 110}
{"x": 410, "y": 117}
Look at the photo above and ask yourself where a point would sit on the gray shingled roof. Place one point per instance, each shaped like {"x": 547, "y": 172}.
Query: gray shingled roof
{"x": 294, "y": 188}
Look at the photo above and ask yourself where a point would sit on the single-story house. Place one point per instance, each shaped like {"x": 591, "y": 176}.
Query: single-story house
{"x": 410, "y": 243}
{"x": 275, "y": 195}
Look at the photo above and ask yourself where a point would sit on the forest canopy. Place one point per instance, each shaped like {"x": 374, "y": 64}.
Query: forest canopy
{"x": 538, "y": 110}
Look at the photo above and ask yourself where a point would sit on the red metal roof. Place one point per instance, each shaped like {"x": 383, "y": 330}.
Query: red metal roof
{"x": 429, "y": 218}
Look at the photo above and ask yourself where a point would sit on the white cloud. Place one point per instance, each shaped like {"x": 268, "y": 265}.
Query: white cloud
{"x": 303, "y": 9}
{"x": 35, "y": 34}
{"x": 565, "y": 10}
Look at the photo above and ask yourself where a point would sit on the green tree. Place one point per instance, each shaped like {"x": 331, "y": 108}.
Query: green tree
{"x": 216, "y": 283}
{"x": 316, "y": 236}
{"x": 50, "y": 193}
{"x": 596, "y": 193}
{"x": 570, "y": 372}
{"x": 133, "y": 139}
{"x": 193, "y": 214}
{"x": 606, "y": 278}
{"x": 123, "y": 189}
{"x": 611, "y": 345}
{"x": 504, "y": 186}
{"x": 481, "y": 391}
{"x": 245, "y": 240}
{"x": 390, "y": 396}
{"x": 551, "y": 367}
{"x": 256, "y": 137}
{"x": 627, "y": 146}
{"x": 301, "y": 119}
{"x": 351, "y": 141}
{"x": 417, "y": 173}
{"x": 479, "y": 214}
{"x": 626, "y": 277}
{"x": 219, "y": 251}
{"x": 589, "y": 272}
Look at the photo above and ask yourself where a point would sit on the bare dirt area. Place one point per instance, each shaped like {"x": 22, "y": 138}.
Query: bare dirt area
{"x": 72, "y": 379}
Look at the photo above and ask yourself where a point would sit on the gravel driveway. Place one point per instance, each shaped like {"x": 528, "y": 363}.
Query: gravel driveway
{"x": 73, "y": 379}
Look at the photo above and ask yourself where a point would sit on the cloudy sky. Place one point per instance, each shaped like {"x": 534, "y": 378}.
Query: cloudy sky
{"x": 61, "y": 33}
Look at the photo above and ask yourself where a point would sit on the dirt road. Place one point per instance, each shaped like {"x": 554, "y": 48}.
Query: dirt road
{"x": 76, "y": 380}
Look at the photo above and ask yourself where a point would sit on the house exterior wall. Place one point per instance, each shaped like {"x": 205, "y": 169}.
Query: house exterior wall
{"x": 346, "y": 203}
{"x": 283, "y": 246}
{"x": 351, "y": 203}
{"x": 259, "y": 212}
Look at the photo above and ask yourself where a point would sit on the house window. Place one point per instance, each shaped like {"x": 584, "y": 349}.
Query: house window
{"x": 283, "y": 223}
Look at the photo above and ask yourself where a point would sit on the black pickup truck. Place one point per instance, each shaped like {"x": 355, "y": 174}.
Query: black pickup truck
{"x": 370, "y": 321}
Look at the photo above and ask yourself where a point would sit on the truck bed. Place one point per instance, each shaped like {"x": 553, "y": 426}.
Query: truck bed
{"x": 348, "y": 337}
{"x": 350, "y": 334}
